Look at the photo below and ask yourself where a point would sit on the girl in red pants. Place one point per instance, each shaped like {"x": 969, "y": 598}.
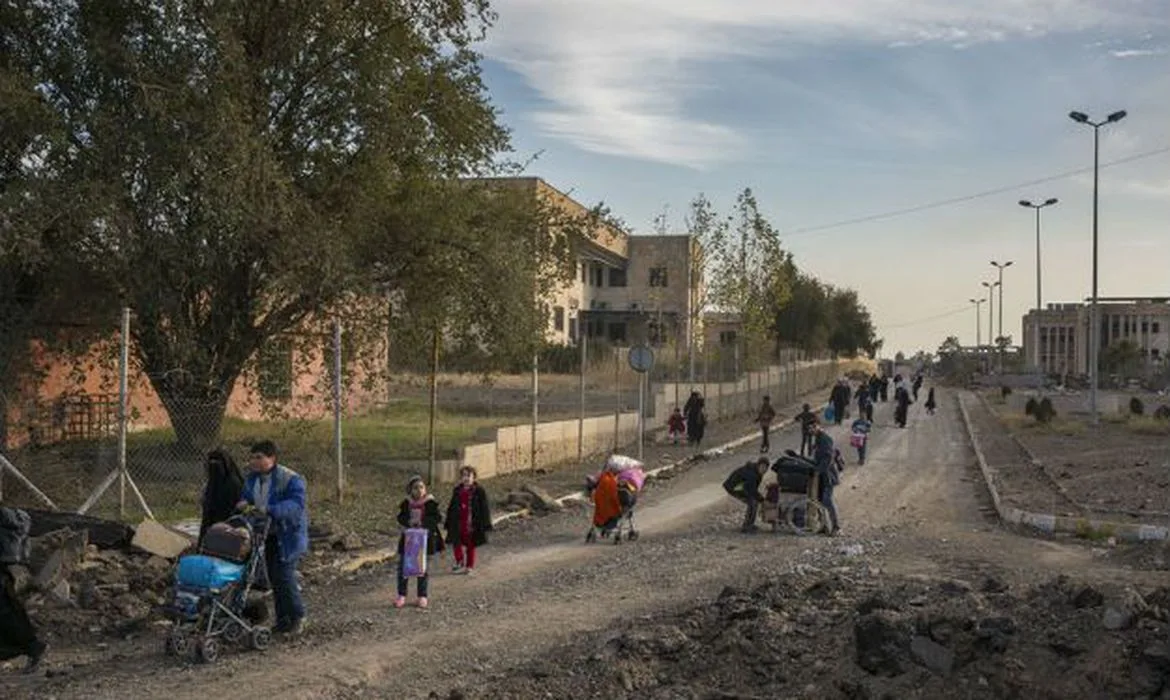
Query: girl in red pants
{"x": 468, "y": 520}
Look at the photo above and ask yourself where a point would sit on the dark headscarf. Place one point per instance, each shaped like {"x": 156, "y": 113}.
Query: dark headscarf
{"x": 225, "y": 482}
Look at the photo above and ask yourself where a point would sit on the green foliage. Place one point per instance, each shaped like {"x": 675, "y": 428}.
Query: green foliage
{"x": 1031, "y": 407}
{"x": 1136, "y": 407}
{"x": 226, "y": 168}
{"x": 820, "y": 317}
{"x": 1123, "y": 358}
{"x": 1162, "y": 413}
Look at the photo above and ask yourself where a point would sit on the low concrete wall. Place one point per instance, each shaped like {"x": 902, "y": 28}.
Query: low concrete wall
{"x": 509, "y": 449}
{"x": 728, "y": 399}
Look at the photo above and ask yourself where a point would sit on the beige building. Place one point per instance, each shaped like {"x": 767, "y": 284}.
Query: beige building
{"x": 1064, "y": 332}
{"x": 627, "y": 289}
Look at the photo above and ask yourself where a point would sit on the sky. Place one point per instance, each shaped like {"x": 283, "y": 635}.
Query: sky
{"x": 838, "y": 110}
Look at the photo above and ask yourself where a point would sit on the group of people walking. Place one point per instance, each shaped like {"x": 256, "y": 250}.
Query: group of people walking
{"x": 690, "y": 422}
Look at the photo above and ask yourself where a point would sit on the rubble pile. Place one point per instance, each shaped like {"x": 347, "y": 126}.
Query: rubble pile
{"x": 859, "y": 634}
{"x": 75, "y": 588}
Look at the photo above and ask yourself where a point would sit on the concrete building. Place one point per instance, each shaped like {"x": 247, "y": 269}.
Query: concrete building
{"x": 1064, "y": 332}
{"x": 627, "y": 288}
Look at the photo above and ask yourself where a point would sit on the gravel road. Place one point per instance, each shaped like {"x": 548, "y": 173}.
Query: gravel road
{"x": 917, "y": 507}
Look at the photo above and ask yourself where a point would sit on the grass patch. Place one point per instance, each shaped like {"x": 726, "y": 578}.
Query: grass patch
{"x": 1145, "y": 425}
{"x": 1020, "y": 423}
{"x": 1086, "y": 531}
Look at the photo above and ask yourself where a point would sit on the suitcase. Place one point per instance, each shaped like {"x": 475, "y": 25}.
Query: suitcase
{"x": 226, "y": 542}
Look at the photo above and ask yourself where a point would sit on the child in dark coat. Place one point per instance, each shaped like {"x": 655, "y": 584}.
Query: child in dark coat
{"x": 418, "y": 510}
{"x": 469, "y": 519}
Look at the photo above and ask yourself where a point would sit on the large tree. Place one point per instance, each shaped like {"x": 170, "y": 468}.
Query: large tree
{"x": 228, "y": 161}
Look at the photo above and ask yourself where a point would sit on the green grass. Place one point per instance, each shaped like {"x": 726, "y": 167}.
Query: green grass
{"x": 1148, "y": 425}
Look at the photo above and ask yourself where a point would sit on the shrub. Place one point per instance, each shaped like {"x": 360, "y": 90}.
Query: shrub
{"x": 1005, "y": 391}
{"x": 1045, "y": 411}
{"x": 1136, "y": 407}
{"x": 1163, "y": 413}
{"x": 1031, "y": 406}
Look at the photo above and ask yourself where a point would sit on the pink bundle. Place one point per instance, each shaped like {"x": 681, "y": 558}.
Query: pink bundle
{"x": 632, "y": 475}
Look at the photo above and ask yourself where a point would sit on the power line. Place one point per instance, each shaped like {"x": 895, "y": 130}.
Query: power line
{"x": 971, "y": 197}
{"x": 936, "y": 317}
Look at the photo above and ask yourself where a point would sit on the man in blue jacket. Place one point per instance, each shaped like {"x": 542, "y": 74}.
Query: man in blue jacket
{"x": 279, "y": 492}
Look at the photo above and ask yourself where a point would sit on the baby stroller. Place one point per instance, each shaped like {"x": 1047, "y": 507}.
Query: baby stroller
{"x": 794, "y": 496}
{"x": 630, "y": 479}
{"x": 213, "y": 588}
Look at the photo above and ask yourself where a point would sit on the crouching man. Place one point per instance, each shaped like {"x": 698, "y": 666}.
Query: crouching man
{"x": 279, "y": 492}
{"x": 744, "y": 484}
{"x": 18, "y": 637}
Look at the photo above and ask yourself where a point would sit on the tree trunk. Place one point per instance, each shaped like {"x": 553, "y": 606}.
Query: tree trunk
{"x": 196, "y": 413}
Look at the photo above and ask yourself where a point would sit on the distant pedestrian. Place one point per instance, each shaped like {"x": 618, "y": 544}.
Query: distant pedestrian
{"x": 808, "y": 423}
{"x": 676, "y": 426}
{"x": 859, "y": 437}
{"x": 917, "y": 385}
{"x": 829, "y": 468}
{"x": 469, "y": 520}
{"x": 18, "y": 637}
{"x": 901, "y": 405}
{"x": 743, "y": 484}
{"x": 697, "y": 421}
{"x": 418, "y": 511}
{"x": 864, "y": 403}
{"x": 930, "y": 403}
{"x": 885, "y": 388}
{"x": 839, "y": 398}
{"x": 764, "y": 419}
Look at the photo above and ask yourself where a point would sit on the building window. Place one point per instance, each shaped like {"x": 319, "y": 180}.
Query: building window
{"x": 656, "y": 333}
{"x": 275, "y": 365}
{"x": 597, "y": 276}
{"x": 1155, "y": 328}
{"x": 583, "y": 278}
{"x": 658, "y": 277}
{"x": 559, "y": 319}
{"x": 617, "y": 332}
{"x": 727, "y": 337}
{"x": 617, "y": 277}
{"x": 1145, "y": 327}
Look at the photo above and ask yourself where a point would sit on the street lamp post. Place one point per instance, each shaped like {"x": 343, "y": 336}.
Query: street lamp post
{"x": 1039, "y": 303}
{"x": 978, "y": 324}
{"x": 990, "y": 314}
{"x": 1094, "y": 321}
{"x": 999, "y": 338}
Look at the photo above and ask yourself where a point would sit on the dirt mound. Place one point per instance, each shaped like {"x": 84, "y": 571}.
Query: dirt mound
{"x": 858, "y": 634}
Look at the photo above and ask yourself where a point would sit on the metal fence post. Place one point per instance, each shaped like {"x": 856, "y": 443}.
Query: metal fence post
{"x": 617, "y": 411}
{"x": 581, "y": 416}
{"x": 535, "y": 402}
{"x": 337, "y": 443}
{"x": 123, "y": 398}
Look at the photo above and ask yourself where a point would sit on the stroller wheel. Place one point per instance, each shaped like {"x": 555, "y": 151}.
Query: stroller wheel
{"x": 176, "y": 644}
{"x": 617, "y": 538}
{"x": 233, "y": 632}
{"x": 207, "y": 650}
{"x": 261, "y": 638}
{"x": 632, "y": 536}
{"x": 590, "y": 536}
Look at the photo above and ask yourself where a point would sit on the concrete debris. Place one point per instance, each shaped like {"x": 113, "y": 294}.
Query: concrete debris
{"x": 542, "y": 499}
{"x": 154, "y": 538}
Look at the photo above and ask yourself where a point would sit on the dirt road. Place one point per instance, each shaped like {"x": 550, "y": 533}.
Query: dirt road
{"x": 917, "y": 506}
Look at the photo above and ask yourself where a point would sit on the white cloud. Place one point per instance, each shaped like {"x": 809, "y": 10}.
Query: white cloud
{"x": 1136, "y": 53}
{"x": 617, "y": 74}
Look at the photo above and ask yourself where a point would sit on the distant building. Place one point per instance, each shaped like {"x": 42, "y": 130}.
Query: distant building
{"x": 1064, "y": 332}
{"x": 627, "y": 289}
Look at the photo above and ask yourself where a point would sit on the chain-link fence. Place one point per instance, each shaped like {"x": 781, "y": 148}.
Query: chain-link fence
{"x": 101, "y": 434}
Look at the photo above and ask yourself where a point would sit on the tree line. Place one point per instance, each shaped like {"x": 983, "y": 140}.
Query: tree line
{"x": 238, "y": 172}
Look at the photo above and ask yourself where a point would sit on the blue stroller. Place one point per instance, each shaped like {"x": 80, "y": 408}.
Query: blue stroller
{"x": 214, "y": 587}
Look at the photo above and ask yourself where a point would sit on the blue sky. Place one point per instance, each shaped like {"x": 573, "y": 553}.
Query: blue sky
{"x": 839, "y": 109}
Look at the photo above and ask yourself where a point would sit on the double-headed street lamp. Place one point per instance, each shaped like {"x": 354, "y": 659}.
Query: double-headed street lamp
{"x": 1094, "y": 321}
{"x": 990, "y": 314}
{"x": 1036, "y": 331}
{"x": 999, "y": 338}
{"x": 978, "y": 324}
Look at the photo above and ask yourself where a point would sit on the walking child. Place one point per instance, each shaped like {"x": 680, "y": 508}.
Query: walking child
{"x": 469, "y": 520}
{"x": 677, "y": 425}
{"x": 860, "y": 437}
{"x": 808, "y": 422}
{"x": 764, "y": 419}
{"x": 418, "y": 511}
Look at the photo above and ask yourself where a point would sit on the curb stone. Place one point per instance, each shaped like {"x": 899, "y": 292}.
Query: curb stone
{"x": 1049, "y": 523}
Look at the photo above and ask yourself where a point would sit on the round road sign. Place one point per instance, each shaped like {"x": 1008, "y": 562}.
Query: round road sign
{"x": 641, "y": 358}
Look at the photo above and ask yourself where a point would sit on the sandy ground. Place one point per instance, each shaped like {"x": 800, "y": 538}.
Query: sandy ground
{"x": 917, "y": 507}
